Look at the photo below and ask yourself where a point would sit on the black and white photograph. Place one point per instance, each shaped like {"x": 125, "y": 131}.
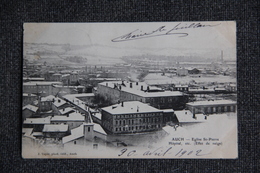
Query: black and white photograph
{"x": 130, "y": 90}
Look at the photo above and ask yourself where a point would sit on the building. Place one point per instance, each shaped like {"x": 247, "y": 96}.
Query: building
{"x": 45, "y": 103}
{"x": 85, "y": 134}
{"x": 36, "y": 123}
{"x": 212, "y": 106}
{"x": 41, "y": 88}
{"x": 169, "y": 116}
{"x": 182, "y": 88}
{"x": 231, "y": 87}
{"x": 29, "y": 111}
{"x": 29, "y": 98}
{"x": 58, "y": 104}
{"x": 73, "y": 120}
{"x": 182, "y": 71}
{"x": 140, "y": 91}
{"x": 187, "y": 117}
{"x": 131, "y": 117}
{"x": 85, "y": 97}
{"x": 55, "y": 131}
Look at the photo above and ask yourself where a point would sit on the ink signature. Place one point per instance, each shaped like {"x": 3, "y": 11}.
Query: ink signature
{"x": 161, "y": 31}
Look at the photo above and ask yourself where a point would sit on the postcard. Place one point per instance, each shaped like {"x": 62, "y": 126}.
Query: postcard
{"x": 130, "y": 90}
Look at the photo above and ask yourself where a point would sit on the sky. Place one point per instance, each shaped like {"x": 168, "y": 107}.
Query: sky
{"x": 208, "y": 40}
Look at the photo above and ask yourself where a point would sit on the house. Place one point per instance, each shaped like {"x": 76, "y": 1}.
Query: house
{"x": 84, "y": 134}
{"x": 29, "y": 111}
{"x": 57, "y": 131}
{"x": 187, "y": 117}
{"x": 45, "y": 103}
{"x": 29, "y": 98}
{"x": 73, "y": 120}
{"x": 36, "y": 123}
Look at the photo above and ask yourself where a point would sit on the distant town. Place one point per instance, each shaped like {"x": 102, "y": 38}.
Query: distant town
{"x": 71, "y": 100}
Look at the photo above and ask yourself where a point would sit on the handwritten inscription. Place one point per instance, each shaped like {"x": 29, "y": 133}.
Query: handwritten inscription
{"x": 161, "y": 31}
{"x": 160, "y": 152}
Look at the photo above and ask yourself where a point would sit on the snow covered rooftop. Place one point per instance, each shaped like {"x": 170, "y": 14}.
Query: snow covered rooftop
{"x": 66, "y": 110}
{"x": 55, "y": 128}
{"x": 42, "y": 83}
{"x": 72, "y": 117}
{"x": 130, "y": 107}
{"x": 28, "y": 95}
{"x": 215, "y": 102}
{"x": 136, "y": 89}
{"x": 99, "y": 129}
{"x": 48, "y": 98}
{"x": 75, "y": 134}
{"x": 30, "y": 107}
{"x": 37, "y": 120}
{"x": 185, "y": 116}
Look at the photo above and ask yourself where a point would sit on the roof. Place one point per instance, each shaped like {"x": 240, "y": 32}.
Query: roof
{"x": 136, "y": 89}
{"x": 28, "y": 95}
{"x": 33, "y": 78}
{"x": 45, "y": 120}
{"x": 72, "y": 117}
{"x": 55, "y": 128}
{"x": 215, "y": 102}
{"x": 41, "y": 83}
{"x": 99, "y": 129}
{"x": 31, "y": 108}
{"x": 66, "y": 110}
{"x": 185, "y": 116}
{"x": 181, "y": 86}
{"x": 97, "y": 115}
{"x": 48, "y": 98}
{"x": 75, "y": 134}
{"x": 105, "y": 79}
{"x": 59, "y": 102}
{"x": 130, "y": 108}
{"x": 27, "y": 131}
{"x": 167, "y": 110}
{"x": 70, "y": 96}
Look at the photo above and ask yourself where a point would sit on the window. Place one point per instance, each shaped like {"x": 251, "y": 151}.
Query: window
{"x": 95, "y": 146}
{"x": 88, "y": 129}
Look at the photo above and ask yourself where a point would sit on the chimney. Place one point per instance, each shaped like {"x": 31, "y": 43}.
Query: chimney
{"x": 136, "y": 83}
{"x": 142, "y": 88}
{"x": 131, "y": 85}
{"x": 194, "y": 116}
{"x": 63, "y": 109}
{"x": 59, "y": 100}
{"x": 67, "y": 115}
{"x": 137, "y": 109}
{"x": 148, "y": 88}
{"x": 122, "y": 104}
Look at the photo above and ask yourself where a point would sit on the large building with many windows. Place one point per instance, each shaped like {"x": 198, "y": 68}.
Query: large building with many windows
{"x": 139, "y": 91}
{"x": 212, "y": 106}
{"x": 131, "y": 117}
